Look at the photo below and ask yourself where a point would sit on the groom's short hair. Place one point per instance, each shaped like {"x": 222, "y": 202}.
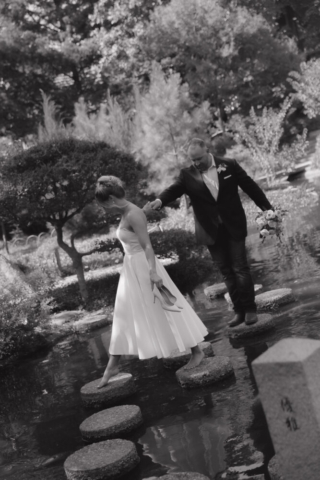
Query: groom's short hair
{"x": 197, "y": 142}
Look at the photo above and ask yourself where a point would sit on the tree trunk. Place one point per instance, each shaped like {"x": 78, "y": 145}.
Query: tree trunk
{"x": 4, "y": 236}
{"x": 77, "y": 264}
{"x": 59, "y": 264}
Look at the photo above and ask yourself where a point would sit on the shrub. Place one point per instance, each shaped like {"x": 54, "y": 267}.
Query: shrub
{"x": 53, "y": 181}
{"x": 262, "y": 135}
{"x": 20, "y": 320}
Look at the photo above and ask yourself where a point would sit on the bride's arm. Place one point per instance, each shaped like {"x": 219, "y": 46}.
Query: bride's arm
{"x": 138, "y": 223}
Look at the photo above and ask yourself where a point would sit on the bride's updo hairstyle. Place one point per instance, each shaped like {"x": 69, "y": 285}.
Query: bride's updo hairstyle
{"x": 109, "y": 185}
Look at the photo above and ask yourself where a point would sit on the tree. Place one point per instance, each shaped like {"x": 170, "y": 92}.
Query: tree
{"x": 49, "y": 46}
{"x": 53, "y": 181}
{"x": 262, "y": 135}
{"x": 227, "y": 55}
{"x": 307, "y": 86}
{"x": 166, "y": 118}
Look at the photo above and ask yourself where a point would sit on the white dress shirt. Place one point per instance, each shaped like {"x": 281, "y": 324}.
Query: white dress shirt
{"x": 210, "y": 178}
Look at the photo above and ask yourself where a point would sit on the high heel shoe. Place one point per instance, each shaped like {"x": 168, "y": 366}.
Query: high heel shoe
{"x": 168, "y": 297}
{"x": 164, "y": 304}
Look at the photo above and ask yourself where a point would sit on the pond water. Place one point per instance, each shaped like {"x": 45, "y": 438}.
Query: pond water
{"x": 204, "y": 430}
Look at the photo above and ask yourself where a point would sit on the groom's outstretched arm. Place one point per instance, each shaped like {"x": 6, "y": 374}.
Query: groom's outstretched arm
{"x": 251, "y": 188}
{"x": 176, "y": 190}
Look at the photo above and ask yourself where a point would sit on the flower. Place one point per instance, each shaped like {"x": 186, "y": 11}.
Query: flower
{"x": 260, "y": 221}
{"x": 264, "y": 232}
{"x": 222, "y": 168}
{"x": 270, "y": 215}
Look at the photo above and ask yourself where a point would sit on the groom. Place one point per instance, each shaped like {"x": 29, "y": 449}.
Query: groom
{"x": 220, "y": 222}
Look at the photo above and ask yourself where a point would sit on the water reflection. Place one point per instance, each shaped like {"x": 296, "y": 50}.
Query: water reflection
{"x": 202, "y": 430}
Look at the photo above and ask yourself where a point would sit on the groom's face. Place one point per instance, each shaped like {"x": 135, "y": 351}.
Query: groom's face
{"x": 199, "y": 157}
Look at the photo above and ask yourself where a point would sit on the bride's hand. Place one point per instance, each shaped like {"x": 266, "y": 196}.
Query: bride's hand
{"x": 155, "y": 280}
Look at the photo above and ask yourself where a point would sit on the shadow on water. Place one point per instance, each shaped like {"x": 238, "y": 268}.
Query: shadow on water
{"x": 204, "y": 430}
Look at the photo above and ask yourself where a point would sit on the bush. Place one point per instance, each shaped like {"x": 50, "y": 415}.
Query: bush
{"x": 20, "y": 321}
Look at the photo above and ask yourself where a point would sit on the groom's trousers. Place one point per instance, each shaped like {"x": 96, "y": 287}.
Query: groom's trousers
{"x": 231, "y": 259}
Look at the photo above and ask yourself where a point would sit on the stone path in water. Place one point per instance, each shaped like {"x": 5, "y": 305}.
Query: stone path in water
{"x": 119, "y": 387}
{"x": 114, "y": 457}
{"x": 210, "y": 370}
{"x": 115, "y": 422}
{"x": 272, "y": 300}
{"x": 106, "y": 460}
{"x": 265, "y": 323}
{"x": 177, "y": 359}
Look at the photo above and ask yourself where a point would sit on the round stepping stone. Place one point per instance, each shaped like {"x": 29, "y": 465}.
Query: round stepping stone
{"x": 209, "y": 371}
{"x": 271, "y": 300}
{"x": 119, "y": 387}
{"x": 91, "y": 321}
{"x": 265, "y": 322}
{"x": 177, "y": 359}
{"x": 227, "y": 296}
{"x": 184, "y": 476}
{"x": 215, "y": 291}
{"x": 111, "y": 423}
{"x": 106, "y": 460}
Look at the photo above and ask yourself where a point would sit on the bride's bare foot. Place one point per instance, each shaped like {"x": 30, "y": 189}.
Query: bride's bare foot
{"x": 195, "y": 360}
{"x": 107, "y": 375}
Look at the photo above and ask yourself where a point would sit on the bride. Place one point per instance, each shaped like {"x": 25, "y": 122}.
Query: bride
{"x": 151, "y": 316}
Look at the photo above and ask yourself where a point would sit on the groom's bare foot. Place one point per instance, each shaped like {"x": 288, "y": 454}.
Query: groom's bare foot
{"x": 195, "y": 360}
{"x": 106, "y": 377}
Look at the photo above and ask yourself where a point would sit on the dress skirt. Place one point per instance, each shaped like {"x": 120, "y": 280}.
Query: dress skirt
{"x": 140, "y": 325}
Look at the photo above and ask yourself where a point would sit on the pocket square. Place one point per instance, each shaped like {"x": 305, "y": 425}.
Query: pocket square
{"x": 228, "y": 176}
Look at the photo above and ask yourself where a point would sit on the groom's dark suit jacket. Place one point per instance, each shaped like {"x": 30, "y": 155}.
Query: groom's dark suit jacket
{"x": 228, "y": 205}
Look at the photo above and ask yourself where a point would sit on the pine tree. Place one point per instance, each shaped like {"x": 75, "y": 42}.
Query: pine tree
{"x": 166, "y": 119}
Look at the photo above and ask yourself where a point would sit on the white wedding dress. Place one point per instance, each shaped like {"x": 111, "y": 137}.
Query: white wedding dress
{"x": 140, "y": 325}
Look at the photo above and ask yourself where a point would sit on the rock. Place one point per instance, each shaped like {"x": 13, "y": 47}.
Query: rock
{"x": 211, "y": 370}
{"x": 271, "y": 300}
{"x": 215, "y": 291}
{"x": 13, "y": 280}
{"x": 184, "y": 476}
{"x": 67, "y": 316}
{"x": 177, "y": 359}
{"x": 91, "y": 321}
{"x": 111, "y": 423}
{"x": 288, "y": 379}
{"x": 265, "y": 322}
{"x": 273, "y": 469}
{"x": 106, "y": 460}
{"x": 119, "y": 387}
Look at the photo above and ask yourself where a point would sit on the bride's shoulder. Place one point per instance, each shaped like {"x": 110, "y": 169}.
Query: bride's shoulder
{"x": 136, "y": 214}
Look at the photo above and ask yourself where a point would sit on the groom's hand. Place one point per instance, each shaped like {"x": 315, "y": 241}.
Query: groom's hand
{"x": 156, "y": 204}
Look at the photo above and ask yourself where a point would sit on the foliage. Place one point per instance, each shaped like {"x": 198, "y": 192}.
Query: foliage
{"x": 20, "y": 319}
{"x": 166, "y": 119}
{"x": 299, "y": 20}
{"x": 262, "y": 135}
{"x": 307, "y": 86}
{"x": 120, "y": 26}
{"x": 54, "y": 181}
{"x": 229, "y": 56}
{"x": 53, "y": 128}
{"x": 110, "y": 124}
{"x": 49, "y": 46}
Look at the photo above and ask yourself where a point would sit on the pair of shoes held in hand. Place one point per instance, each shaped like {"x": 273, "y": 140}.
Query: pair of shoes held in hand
{"x": 167, "y": 299}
